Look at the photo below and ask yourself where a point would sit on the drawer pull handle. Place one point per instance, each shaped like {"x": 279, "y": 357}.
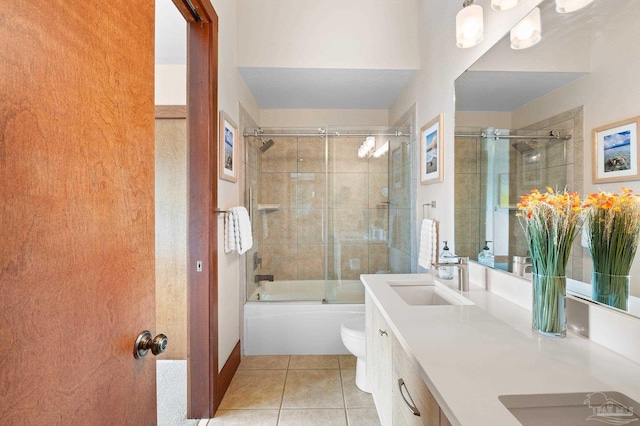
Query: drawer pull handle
{"x": 382, "y": 332}
{"x": 411, "y": 404}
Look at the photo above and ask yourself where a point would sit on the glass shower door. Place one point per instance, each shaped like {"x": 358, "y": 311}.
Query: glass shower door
{"x": 321, "y": 212}
{"x": 401, "y": 208}
{"x": 360, "y": 201}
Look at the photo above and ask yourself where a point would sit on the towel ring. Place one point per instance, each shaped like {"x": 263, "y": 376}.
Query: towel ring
{"x": 431, "y": 204}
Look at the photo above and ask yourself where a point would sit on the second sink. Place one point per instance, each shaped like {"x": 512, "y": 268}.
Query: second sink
{"x": 427, "y": 294}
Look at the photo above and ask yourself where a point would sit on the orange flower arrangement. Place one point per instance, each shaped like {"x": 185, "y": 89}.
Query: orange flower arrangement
{"x": 550, "y": 221}
{"x": 613, "y": 233}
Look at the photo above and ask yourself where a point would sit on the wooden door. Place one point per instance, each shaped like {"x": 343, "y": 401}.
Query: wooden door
{"x": 77, "y": 211}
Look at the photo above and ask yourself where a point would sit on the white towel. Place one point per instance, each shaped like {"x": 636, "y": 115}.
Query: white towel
{"x": 237, "y": 230}
{"x": 428, "y": 244}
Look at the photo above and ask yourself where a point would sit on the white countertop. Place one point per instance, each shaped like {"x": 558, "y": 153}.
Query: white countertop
{"x": 470, "y": 355}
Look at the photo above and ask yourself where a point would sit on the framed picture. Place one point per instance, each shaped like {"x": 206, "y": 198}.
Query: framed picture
{"x": 228, "y": 148}
{"x": 615, "y": 151}
{"x": 431, "y": 153}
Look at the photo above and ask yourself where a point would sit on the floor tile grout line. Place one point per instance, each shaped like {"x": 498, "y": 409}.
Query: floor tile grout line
{"x": 344, "y": 400}
{"x": 284, "y": 388}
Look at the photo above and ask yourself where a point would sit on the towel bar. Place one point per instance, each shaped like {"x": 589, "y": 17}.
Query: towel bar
{"x": 429, "y": 204}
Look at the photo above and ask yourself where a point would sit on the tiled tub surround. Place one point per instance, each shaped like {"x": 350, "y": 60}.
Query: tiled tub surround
{"x": 317, "y": 218}
{"x": 292, "y": 177}
{"x": 296, "y": 390}
{"x": 470, "y": 355}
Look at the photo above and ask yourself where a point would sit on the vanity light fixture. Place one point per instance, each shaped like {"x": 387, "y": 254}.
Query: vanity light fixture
{"x": 568, "y": 6}
{"x": 469, "y": 25}
{"x": 527, "y": 32}
{"x": 504, "y": 4}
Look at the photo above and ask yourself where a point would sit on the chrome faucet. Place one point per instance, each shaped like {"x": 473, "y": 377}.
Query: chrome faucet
{"x": 462, "y": 264}
{"x": 522, "y": 265}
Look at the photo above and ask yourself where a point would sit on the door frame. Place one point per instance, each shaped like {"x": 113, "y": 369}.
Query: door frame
{"x": 203, "y": 389}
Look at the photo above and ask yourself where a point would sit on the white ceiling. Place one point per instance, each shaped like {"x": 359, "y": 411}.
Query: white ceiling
{"x": 276, "y": 88}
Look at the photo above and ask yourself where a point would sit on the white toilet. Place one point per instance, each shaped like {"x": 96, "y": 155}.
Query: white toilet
{"x": 353, "y": 337}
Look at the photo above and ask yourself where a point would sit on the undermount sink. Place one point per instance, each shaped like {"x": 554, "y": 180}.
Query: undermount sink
{"x": 572, "y": 409}
{"x": 421, "y": 293}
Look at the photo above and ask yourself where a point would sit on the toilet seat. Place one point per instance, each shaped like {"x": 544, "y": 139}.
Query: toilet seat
{"x": 354, "y": 327}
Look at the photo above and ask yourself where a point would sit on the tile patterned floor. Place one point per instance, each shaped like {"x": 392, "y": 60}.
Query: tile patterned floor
{"x": 288, "y": 390}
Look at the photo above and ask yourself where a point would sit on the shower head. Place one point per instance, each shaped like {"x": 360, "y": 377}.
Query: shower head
{"x": 266, "y": 145}
{"x": 522, "y": 147}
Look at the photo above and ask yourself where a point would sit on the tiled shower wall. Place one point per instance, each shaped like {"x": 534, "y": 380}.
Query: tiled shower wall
{"x": 470, "y": 183}
{"x": 308, "y": 221}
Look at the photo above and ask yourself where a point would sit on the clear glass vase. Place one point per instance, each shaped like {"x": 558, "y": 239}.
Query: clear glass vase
{"x": 549, "y": 308}
{"x": 612, "y": 290}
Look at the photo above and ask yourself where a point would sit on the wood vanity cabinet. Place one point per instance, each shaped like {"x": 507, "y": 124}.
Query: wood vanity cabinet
{"x": 379, "y": 367}
{"x": 395, "y": 379}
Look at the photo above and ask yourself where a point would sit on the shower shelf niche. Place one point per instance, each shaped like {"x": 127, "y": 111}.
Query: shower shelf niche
{"x": 268, "y": 207}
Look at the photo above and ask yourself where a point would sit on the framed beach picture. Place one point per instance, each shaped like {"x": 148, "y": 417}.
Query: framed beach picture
{"x": 228, "y": 148}
{"x": 615, "y": 151}
{"x": 431, "y": 153}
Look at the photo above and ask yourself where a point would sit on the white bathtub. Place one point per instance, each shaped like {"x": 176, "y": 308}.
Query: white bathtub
{"x": 343, "y": 291}
{"x": 290, "y": 318}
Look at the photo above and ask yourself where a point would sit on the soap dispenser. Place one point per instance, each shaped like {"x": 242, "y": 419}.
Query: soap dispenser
{"x": 485, "y": 257}
{"x": 446, "y": 272}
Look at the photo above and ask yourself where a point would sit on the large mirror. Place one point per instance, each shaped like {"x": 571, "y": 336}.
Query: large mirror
{"x": 524, "y": 119}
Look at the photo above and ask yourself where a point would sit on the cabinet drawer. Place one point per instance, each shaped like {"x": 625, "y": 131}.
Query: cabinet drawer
{"x": 410, "y": 394}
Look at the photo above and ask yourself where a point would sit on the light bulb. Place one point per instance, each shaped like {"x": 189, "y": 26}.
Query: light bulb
{"x": 527, "y": 32}
{"x": 469, "y": 26}
{"x": 524, "y": 31}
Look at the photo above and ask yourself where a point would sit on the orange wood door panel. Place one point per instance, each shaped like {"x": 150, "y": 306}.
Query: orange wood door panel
{"x": 77, "y": 211}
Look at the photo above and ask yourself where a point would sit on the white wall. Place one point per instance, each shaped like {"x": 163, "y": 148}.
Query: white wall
{"x": 498, "y": 120}
{"x": 171, "y": 84}
{"x": 432, "y": 89}
{"x": 359, "y": 34}
{"x": 231, "y": 91}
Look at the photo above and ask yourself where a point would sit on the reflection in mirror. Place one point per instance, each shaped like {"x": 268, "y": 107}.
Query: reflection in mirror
{"x": 506, "y": 144}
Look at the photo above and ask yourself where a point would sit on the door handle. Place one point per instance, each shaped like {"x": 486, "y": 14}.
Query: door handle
{"x": 146, "y": 342}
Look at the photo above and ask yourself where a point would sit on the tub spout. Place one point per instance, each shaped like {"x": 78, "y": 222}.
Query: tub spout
{"x": 259, "y": 278}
